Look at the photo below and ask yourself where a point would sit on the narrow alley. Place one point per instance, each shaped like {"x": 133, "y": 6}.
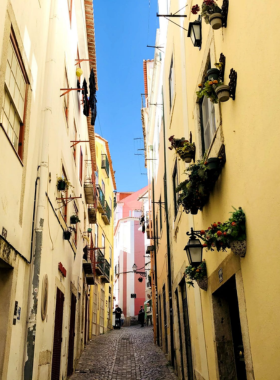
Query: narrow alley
{"x": 128, "y": 353}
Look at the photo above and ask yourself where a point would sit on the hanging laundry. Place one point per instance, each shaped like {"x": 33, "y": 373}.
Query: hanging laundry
{"x": 92, "y": 97}
{"x": 85, "y": 99}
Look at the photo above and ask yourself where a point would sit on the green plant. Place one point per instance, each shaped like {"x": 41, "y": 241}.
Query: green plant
{"x": 61, "y": 180}
{"x": 182, "y": 146}
{"x": 194, "y": 191}
{"x": 74, "y": 219}
{"x": 195, "y": 273}
{"x": 208, "y": 7}
{"x": 208, "y": 90}
{"x": 219, "y": 235}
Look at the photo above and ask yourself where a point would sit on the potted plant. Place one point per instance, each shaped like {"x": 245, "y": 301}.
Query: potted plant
{"x": 74, "y": 219}
{"x": 213, "y": 163}
{"x": 231, "y": 234}
{"x": 223, "y": 93}
{"x": 66, "y": 235}
{"x": 213, "y": 74}
{"x": 62, "y": 184}
{"x": 211, "y": 13}
{"x": 194, "y": 192}
{"x": 89, "y": 230}
{"x": 198, "y": 274}
{"x": 184, "y": 148}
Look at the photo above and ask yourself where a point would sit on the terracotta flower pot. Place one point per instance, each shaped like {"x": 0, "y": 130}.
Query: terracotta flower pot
{"x": 203, "y": 283}
{"x": 238, "y": 247}
{"x": 216, "y": 21}
{"x": 223, "y": 93}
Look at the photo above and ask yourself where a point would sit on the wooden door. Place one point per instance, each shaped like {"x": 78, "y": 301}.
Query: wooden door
{"x": 71, "y": 336}
{"x": 57, "y": 340}
{"x": 187, "y": 330}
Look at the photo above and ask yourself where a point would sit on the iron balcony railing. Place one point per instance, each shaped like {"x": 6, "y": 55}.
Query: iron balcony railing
{"x": 107, "y": 211}
{"x": 107, "y": 269}
{"x": 105, "y": 164}
{"x": 99, "y": 258}
{"x": 101, "y": 196}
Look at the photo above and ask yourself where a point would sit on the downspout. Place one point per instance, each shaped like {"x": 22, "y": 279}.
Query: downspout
{"x": 34, "y": 287}
{"x": 168, "y": 245}
{"x": 155, "y": 258}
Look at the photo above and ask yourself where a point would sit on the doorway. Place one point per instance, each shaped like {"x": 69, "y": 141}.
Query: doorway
{"x": 57, "y": 339}
{"x": 187, "y": 329}
{"x": 229, "y": 344}
{"x": 180, "y": 335}
{"x": 71, "y": 335}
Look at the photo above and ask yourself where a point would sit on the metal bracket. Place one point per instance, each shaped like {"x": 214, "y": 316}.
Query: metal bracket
{"x": 68, "y": 200}
{"x": 225, "y": 12}
{"x": 82, "y": 60}
{"x": 67, "y": 90}
{"x": 222, "y": 60}
{"x": 232, "y": 83}
{"x": 77, "y": 142}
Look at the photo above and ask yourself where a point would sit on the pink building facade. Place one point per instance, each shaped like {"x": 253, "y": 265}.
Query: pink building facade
{"x": 130, "y": 248}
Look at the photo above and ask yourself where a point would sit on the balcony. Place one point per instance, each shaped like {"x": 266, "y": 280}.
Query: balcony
{"x": 88, "y": 267}
{"x": 91, "y": 215}
{"x": 100, "y": 199}
{"x": 102, "y": 267}
{"x": 89, "y": 192}
{"x": 105, "y": 164}
{"x": 106, "y": 215}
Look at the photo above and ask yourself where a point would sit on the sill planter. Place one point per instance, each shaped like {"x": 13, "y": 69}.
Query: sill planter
{"x": 66, "y": 235}
{"x": 61, "y": 185}
{"x": 203, "y": 283}
{"x": 223, "y": 93}
{"x": 74, "y": 219}
{"x": 216, "y": 21}
{"x": 238, "y": 247}
{"x": 213, "y": 163}
{"x": 213, "y": 74}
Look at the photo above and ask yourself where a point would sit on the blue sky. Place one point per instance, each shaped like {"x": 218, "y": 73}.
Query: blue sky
{"x": 123, "y": 29}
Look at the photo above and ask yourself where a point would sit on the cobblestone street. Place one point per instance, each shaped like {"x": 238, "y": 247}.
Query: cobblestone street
{"x": 128, "y": 353}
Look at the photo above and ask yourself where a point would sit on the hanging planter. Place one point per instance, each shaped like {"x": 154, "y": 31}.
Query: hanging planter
{"x": 231, "y": 234}
{"x": 238, "y": 247}
{"x": 184, "y": 148}
{"x": 213, "y": 74}
{"x": 89, "y": 230}
{"x": 62, "y": 184}
{"x": 198, "y": 274}
{"x": 194, "y": 210}
{"x": 216, "y": 20}
{"x": 213, "y": 163}
{"x": 223, "y": 93}
{"x": 140, "y": 279}
{"x": 74, "y": 219}
{"x": 66, "y": 235}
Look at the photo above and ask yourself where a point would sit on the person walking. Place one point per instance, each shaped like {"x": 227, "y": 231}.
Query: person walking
{"x": 118, "y": 313}
{"x": 141, "y": 316}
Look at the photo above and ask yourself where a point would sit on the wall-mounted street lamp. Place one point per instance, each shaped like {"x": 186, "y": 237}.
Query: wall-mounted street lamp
{"x": 194, "y": 248}
{"x": 134, "y": 267}
{"x": 194, "y": 32}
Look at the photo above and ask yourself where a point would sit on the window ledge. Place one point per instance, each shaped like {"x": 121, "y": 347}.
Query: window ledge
{"x": 12, "y": 145}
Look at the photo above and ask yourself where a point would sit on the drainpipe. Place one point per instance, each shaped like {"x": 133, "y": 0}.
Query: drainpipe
{"x": 34, "y": 287}
{"x": 168, "y": 245}
{"x": 155, "y": 256}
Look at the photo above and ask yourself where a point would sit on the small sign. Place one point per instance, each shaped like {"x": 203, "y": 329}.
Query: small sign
{"x": 221, "y": 279}
{"x": 133, "y": 295}
{"x": 61, "y": 269}
{"x": 4, "y": 233}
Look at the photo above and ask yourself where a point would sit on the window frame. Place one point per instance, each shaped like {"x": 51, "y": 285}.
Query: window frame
{"x": 175, "y": 183}
{"x": 81, "y": 166}
{"x": 22, "y": 119}
{"x": 66, "y": 98}
{"x": 171, "y": 83}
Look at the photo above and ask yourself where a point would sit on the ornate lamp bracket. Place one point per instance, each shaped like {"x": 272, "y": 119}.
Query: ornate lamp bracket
{"x": 232, "y": 83}
{"x": 225, "y": 12}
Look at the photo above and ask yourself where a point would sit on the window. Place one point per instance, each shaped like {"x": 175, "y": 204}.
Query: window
{"x": 208, "y": 123}
{"x": 15, "y": 97}
{"x": 96, "y": 235}
{"x": 103, "y": 244}
{"x": 81, "y": 166}
{"x": 175, "y": 182}
{"x": 103, "y": 187}
{"x": 75, "y": 139}
{"x": 171, "y": 83}
{"x": 66, "y": 96}
{"x": 64, "y": 208}
{"x": 110, "y": 256}
{"x": 96, "y": 176}
{"x": 160, "y": 215}
{"x": 110, "y": 203}
{"x": 70, "y": 10}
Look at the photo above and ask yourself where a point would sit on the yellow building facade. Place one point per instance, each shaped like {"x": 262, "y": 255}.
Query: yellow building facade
{"x": 222, "y": 332}
{"x": 101, "y": 295}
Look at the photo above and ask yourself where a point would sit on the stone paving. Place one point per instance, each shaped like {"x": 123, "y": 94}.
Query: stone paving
{"x": 129, "y": 353}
